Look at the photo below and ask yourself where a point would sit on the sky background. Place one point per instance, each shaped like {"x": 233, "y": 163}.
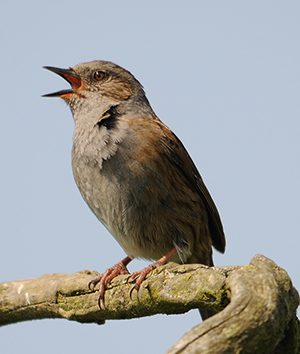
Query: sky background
{"x": 223, "y": 75}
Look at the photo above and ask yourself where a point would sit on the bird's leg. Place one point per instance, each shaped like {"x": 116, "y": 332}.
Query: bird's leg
{"x": 141, "y": 274}
{"x": 105, "y": 278}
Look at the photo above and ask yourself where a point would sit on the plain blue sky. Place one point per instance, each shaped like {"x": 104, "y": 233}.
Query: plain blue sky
{"x": 223, "y": 75}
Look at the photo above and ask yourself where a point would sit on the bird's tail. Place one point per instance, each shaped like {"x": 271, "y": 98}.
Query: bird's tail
{"x": 206, "y": 313}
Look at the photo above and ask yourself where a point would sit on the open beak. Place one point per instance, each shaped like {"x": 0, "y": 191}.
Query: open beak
{"x": 69, "y": 75}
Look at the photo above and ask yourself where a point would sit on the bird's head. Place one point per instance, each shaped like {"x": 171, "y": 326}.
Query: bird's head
{"x": 98, "y": 85}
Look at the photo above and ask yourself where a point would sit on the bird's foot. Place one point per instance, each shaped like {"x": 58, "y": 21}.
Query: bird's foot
{"x": 141, "y": 274}
{"x": 105, "y": 278}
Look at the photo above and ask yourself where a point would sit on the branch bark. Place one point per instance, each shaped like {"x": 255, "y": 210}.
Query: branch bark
{"x": 258, "y": 304}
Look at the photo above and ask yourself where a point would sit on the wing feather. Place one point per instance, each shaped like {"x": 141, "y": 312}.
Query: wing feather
{"x": 178, "y": 156}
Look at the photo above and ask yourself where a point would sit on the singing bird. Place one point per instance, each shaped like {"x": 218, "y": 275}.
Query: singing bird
{"x": 135, "y": 174}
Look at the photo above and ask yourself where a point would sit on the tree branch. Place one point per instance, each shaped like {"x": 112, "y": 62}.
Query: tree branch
{"x": 263, "y": 306}
{"x": 258, "y": 301}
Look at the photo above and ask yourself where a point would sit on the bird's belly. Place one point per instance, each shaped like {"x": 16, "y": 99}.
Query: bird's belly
{"x": 126, "y": 206}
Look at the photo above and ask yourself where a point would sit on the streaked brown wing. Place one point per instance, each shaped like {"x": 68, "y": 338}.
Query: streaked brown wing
{"x": 176, "y": 153}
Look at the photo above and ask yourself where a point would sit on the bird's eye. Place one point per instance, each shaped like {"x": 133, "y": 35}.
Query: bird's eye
{"x": 98, "y": 75}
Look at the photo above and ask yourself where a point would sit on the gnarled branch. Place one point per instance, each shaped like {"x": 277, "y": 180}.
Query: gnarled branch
{"x": 258, "y": 304}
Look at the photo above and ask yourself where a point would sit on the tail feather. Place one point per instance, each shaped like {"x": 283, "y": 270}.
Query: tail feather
{"x": 206, "y": 313}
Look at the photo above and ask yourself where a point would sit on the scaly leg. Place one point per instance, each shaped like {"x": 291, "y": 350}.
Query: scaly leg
{"x": 141, "y": 274}
{"x": 105, "y": 278}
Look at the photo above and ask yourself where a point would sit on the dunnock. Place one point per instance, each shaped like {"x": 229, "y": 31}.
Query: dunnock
{"x": 135, "y": 174}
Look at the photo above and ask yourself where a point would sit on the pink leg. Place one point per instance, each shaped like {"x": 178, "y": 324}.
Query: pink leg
{"x": 105, "y": 278}
{"x": 141, "y": 274}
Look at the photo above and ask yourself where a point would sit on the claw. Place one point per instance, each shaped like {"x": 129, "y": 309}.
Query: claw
{"x": 131, "y": 290}
{"x": 101, "y": 303}
{"x": 94, "y": 282}
{"x": 142, "y": 274}
{"x": 105, "y": 278}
